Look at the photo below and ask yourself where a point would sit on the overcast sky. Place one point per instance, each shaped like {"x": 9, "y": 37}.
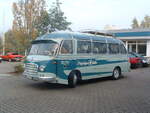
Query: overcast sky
{"x": 89, "y": 14}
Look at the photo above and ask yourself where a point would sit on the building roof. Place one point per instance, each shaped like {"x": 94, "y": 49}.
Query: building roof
{"x": 130, "y": 32}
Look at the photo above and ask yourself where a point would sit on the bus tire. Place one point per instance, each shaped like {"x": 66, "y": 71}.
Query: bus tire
{"x": 116, "y": 74}
{"x": 72, "y": 80}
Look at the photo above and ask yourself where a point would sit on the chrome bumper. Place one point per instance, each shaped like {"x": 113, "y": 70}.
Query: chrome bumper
{"x": 51, "y": 79}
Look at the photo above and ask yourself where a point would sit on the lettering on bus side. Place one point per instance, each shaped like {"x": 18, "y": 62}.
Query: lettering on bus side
{"x": 86, "y": 63}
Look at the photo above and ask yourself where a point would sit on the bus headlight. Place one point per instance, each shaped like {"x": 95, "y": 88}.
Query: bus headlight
{"x": 42, "y": 68}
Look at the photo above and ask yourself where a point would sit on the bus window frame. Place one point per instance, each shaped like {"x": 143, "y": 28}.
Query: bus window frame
{"x": 101, "y": 43}
{"x": 109, "y": 49}
{"x": 61, "y": 44}
{"x": 121, "y": 44}
{"x": 83, "y": 53}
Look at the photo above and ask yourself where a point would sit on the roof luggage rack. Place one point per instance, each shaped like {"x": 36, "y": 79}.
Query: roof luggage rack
{"x": 98, "y": 33}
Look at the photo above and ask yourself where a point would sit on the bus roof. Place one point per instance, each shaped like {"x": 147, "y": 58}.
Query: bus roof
{"x": 77, "y": 35}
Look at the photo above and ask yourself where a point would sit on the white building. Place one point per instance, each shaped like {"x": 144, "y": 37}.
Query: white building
{"x": 136, "y": 40}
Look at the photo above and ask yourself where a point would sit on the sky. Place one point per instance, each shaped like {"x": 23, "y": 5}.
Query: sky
{"x": 89, "y": 14}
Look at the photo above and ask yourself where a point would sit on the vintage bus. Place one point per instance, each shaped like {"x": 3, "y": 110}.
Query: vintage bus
{"x": 68, "y": 57}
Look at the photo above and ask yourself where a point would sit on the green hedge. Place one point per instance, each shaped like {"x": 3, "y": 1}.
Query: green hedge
{"x": 19, "y": 68}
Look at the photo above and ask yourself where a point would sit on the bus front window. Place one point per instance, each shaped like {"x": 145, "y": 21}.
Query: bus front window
{"x": 43, "y": 48}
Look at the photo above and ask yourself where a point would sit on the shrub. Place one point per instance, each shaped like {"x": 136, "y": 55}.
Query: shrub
{"x": 19, "y": 68}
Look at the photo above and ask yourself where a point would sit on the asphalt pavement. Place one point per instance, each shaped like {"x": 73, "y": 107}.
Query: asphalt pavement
{"x": 130, "y": 94}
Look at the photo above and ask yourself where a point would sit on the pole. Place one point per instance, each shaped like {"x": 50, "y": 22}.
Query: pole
{"x": 3, "y": 43}
{"x": 4, "y": 32}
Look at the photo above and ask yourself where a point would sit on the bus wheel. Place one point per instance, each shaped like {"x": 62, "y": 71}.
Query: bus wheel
{"x": 72, "y": 80}
{"x": 116, "y": 73}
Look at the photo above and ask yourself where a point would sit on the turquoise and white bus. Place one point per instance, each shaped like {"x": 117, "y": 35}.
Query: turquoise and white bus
{"x": 67, "y": 57}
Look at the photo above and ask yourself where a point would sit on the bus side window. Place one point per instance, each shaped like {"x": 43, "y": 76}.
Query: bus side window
{"x": 113, "y": 48}
{"x": 99, "y": 48}
{"x": 67, "y": 47}
{"x": 83, "y": 47}
{"x": 122, "y": 49}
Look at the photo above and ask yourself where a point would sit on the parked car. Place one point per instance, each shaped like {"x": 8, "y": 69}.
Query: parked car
{"x": 144, "y": 61}
{"x": 134, "y": 61}
{"x": 12, "y": 57}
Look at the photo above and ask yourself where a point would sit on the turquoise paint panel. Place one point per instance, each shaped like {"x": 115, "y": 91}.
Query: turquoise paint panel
{"x": 69, "y": 65}
{"x": 72, "y": 64}
{"x": 49, "y": 66}
{"x": 61, "y": 67}
{"x": 131, "y": 34}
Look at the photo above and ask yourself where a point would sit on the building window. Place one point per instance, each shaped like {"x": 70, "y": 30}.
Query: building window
{"x": 138, "y": 47}
{"x": 142, "y": 49}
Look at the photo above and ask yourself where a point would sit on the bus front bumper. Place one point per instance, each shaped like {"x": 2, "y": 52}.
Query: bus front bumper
{"x": 42, "y": 77}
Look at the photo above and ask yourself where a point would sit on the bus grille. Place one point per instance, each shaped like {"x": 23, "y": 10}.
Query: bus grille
{"x": 31, "y": 69}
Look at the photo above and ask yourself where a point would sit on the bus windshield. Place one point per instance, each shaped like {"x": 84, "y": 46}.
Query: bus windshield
{"x": 42, "y": 48}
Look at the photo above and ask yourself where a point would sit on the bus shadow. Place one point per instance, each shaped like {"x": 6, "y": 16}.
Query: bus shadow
{"x": 93, "y": 81}
{"x": 98, "y": 80}
{"x": 47, "y": 86}
{"x": 55, "y": 86}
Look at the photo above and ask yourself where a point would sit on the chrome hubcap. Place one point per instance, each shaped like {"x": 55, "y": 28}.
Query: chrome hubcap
{"x": 75, "y": 79}
{"x": 116, "y": 73}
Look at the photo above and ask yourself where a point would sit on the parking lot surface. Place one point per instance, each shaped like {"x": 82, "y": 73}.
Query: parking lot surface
{"x": 130, "y": 94}
{"x": 7, "y": 67}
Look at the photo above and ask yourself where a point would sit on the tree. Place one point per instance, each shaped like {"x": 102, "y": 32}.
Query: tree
{"x": 13, "y": 44}
{"x": 10, "y": 42}
{"x": 1, "y": 44}
{"x": 43, "y": 22}
{"x": 32, "y": 19}
{"x": 146, "y": 22}
{"x": 135, "y": 23}
{"x": 54, "y": 20}
{"x": 26, "y": 16}
{"x": 57, "y": 19}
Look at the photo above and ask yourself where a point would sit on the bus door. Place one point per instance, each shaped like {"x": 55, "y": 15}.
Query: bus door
{"x": 64, "y": 61}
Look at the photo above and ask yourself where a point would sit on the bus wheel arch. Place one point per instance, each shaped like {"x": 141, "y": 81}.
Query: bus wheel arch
{"x": 116, "y": 73}
{"x": 73, "y": 78}
{"x": 119, "y": 69}
{"x": 78, "y": 74}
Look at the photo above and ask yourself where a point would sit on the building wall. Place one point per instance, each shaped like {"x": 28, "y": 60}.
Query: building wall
{"x": 137, "y": 36}
{"x": 138, "y": 46}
